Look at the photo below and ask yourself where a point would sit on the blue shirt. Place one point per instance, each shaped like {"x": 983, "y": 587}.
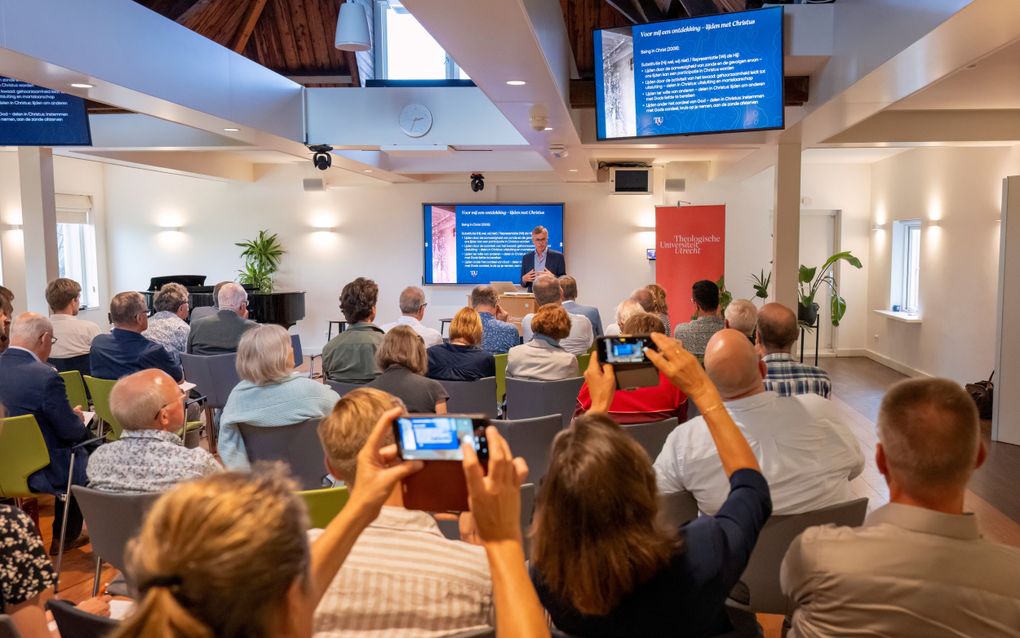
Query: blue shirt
{"x": 498, "y": 336}
{"x": 451, "y": 362}
{"x": 788, "y": 377}
{"x": 540, "y": 260}
{"x": 122, "y": 352}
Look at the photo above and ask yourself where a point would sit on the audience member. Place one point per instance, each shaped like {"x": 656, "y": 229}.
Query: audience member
{"x": 918, "y": 566}
{"x": 270, "y": 393}
{"x": 149, "y": 456}
{"x": 402, "y": 577}
{"x": 202, "y": 312}
{"x": 543, "y": 358}
{"x": 404, "y": 363}
{"x": 624, "y": 311}
{"x": 569, "y": 287}
{"x": 659, "y": 307}
{"x": 643, "y": 405}
{"x": 695, "y": 334}
{"x": 124, "y": 350}
{"x": 350, "y": 356}
{"x": 220, "y": 333}
{"x": 777, "y": 332}
{"x": 547, "y": 293}
{"x": 602, "y": 564}
{"x": 498, "y": 336}
{"x": 742, "y": 316}
{"x": 806, "y": 450}
{"x": 169, "y": 326}
{"x": 412, "y": 311}
{"x": 73, "y": 335}
{"x": 462, "y": 359}
{"x": 6, "y": 316}
{"x": 29, "y": 386}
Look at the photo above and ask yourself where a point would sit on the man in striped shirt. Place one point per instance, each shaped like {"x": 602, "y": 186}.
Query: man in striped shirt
{"x": 403, "y": 578}
{"x": 776, "y": 333}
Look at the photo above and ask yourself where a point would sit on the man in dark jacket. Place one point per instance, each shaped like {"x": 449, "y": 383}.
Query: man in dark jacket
{"x": 124, "y": 350}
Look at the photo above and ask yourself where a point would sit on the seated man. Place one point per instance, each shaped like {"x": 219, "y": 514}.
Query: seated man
{"x": 169, "y": 326}
{"x": 412, "y": 311}
{"x": 220, "y": 333}
{"x": 29, "y": 386}
{"x": 350, "y": 356}
{"x": 124, "y": 350}
{"x": 149, "y": 456}
{"x": 776, "y": 333}
{"x": 548, "y": 293}
{"x": 73, "y": 335}
{"x": 806, "y": 450}
{"x": 918, "y": 566}
{"x": 498, "y": 336}
{"x": 402, "y": 577}
{"x": 695, "y": 334}
{"x": 569, "y": 287}
{"x": 742, "y": 316}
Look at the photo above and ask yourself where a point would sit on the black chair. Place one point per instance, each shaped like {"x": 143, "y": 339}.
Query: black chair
{"x": 532, "y": 440}
{"x": 299, "y": 357}
{"x": 471, "y": 397}
{"x": 651, "y": 436}
{"x": 342, "y": 387}
{"x": 297, "y": 445}
{"x": 451, "y": 529}
{"x": 76, "y": 623}
{"x": 215, "y": 377}
{"x": 79, "y": 363}
{"x": 527, "y": 399}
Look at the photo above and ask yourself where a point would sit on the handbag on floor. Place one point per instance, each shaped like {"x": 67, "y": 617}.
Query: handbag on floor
{"x": 982, "y": 392}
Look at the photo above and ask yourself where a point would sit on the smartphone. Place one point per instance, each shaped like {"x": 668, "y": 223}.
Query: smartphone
{"x": 626, "y": 353}
{"x": 436, "y": 440}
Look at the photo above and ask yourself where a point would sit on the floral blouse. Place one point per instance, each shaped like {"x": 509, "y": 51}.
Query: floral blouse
{"x": 25, "y": 569}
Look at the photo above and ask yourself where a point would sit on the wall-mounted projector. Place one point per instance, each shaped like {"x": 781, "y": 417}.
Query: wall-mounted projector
{"x": 631, "y": 181}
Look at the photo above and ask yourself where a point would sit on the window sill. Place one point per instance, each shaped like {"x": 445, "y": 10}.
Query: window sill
{"x": 899, "y": 316}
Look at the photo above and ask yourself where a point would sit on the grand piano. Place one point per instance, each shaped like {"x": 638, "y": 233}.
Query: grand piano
{"x": 283, "y": 308}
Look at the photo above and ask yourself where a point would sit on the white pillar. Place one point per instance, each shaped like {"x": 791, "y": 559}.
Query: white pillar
{"x": 786, "y": 226}
{"x": 39, "y": 223}
{"x": 1006, "y": 411}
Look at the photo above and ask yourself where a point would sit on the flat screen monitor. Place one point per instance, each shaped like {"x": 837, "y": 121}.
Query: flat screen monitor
{"x": 714, "y": 74}
{"x": 31, "y": 115}
{"x": 481, "y": 243}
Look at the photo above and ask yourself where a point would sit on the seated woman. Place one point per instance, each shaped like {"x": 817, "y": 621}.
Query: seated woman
{"x": 602, "y": 564}
{"x": 542, "y": 358}
{"x": 643, "y": 405}
{"x": 270, "y": 394}
{"x": 462, "y": 359}
{"x": 402, "y": 359}
{"x": 659, "y": 307}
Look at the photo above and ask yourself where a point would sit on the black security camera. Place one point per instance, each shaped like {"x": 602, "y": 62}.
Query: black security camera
{"x": 321, "y": 158}
{"x": 477, "y": 182}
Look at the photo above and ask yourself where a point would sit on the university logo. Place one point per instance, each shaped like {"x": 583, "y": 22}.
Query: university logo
{"x": 474, "y": 273}
{"x": 658, "y": 121}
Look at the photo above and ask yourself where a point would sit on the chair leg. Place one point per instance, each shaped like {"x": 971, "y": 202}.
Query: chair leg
{"x": 210, "y": 426}
{"x": 63, "y": 523}
{"x": 99, "y": 574}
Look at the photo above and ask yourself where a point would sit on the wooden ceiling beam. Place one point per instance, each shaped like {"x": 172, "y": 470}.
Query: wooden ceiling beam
{"x": 192, "y": 14}
{"x": 248, "y": 22}
{"x": 650, "y": 10}
{"x": 627, "y": 9}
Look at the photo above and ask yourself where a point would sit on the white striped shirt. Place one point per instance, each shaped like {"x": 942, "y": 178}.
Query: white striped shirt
{"x": 404, "y": 579}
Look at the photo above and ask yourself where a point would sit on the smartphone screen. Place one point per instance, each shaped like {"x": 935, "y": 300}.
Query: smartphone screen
{"x": 624, "y": 349}
{"x": 438, "y": 438}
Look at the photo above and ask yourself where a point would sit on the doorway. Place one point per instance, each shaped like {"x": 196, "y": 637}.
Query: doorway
{"x": 819, "y": 238}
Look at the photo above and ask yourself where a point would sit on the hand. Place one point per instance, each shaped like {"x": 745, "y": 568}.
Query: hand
{"x": 501, "y": 314}
{"x": 469, "y": 529}
{"x": 495, "y": 498}
{"x": 379, "y": 469}
{"x": 77, "y": 410}
{"x": 530, "y": 276}
{"x": 680, "y": 367}
{"x": 601, "y": 382}
{"x": 99, "y": 606}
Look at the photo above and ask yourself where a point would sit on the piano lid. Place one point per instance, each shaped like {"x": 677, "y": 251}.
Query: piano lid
{"x": 188, "y": 281}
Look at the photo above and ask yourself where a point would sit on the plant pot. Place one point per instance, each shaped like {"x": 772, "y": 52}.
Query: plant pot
{"x": 807, "y": 314}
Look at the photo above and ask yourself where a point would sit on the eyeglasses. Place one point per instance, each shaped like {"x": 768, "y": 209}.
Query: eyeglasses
{"x": 53, "y": 340}
{"x": 184, "y": 395}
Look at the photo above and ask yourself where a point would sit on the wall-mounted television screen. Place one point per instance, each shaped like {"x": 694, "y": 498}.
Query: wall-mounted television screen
{"x": 713, "y": 74}
{"x": 481, "y": 243}
{"x": 31, "y": 115}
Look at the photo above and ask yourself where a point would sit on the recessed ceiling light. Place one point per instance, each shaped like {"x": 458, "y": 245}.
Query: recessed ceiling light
{"x": 516, "y": 82}
{"x": 368, "y": 170}
{"x": 571, "y": 170}
{"x": 82, "y": 85}
{"x": 548, "y": 128}
{"x": 231, "y": 129}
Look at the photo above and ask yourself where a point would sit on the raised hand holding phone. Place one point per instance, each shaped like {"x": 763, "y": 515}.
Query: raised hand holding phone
{"x": 495, "y": 498}
{"x": 380, "y": 467}
{"x": 601, "y": 382}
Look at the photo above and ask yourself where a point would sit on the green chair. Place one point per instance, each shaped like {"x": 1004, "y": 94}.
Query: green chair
{"x": 75, "y": 389}
{"x": 500, "y": 377}
{"x": 100, "y": 390}
{"x": 324, "y": 504}
{"x": 582, "y": 361}
{"x": 22, "y": 452}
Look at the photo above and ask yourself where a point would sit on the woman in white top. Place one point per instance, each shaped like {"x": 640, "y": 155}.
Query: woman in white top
{"x": 542, "y": 358}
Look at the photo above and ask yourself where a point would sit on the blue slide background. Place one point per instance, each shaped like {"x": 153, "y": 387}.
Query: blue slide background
{"x": 489, "y": 219}
{"x": 72, "y": 130}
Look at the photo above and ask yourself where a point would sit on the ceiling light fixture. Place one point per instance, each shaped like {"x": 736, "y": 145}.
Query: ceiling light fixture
{"x": 368, "y": 170}
{"x": 231, "y": 129}
{"x": 571, "y": 170}
{"x": 548, "y": 128}
{"x": 352, "y": 28}
{"x": 82, "y": 85}
{"x": 516, "y": 82}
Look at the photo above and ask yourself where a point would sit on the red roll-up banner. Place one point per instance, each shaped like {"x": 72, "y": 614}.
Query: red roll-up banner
{"x": 690, "y": 245}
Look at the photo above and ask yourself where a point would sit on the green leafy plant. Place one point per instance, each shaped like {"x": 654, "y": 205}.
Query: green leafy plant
{"x": 761, "y": 282}
{"x": 812, "y": 279}
{"x": 261, "y": 260}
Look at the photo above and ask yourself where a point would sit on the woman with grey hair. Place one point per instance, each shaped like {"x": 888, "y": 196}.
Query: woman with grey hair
{"x": 169, "y": 326}
{"x": 270, "y": 394}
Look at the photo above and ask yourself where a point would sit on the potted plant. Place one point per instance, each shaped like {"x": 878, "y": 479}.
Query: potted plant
{"x": 760, "y": 283}
{"x": 812, "y": 279}
{"x": 261, "y": 260}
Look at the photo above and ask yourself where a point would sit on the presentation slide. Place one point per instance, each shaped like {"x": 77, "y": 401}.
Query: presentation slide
{"x": 33, "y": 116}
{"x": 712, "y": 74}
{"x": 481, "y": 243}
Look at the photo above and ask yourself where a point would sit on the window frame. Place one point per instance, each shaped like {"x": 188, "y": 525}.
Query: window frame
{"x": 380, "y": 48}
{"x": 905, "y": 285}
{"x": 88, "y": 253}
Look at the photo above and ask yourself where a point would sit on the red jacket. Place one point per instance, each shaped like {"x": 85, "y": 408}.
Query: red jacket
{"x": 643, "y": 405}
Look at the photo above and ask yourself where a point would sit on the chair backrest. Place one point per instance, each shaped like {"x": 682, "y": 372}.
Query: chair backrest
{"x": 75, "y": 385}
{"x": 532, "y": 440}
{"x": 677, "y": 508}
{"x": 22, "y": 452}
{"x": 342, "y": 387}
{"x": 501, "y": 360}
{"x": 651, "y": 436}
{"x": 471, "y": 397}
{"x": 526, "y": 399}
{"x": 582, "y": 361}
{"x": 324, "y": 504}
{"x": 527, "y": 513}
{"x": 297, "y": 445}
{"x": 112, "y": 518}
{"x": 100, "y": 390}
{"x": 7, "y": 628}
{"x": 215, "y": 375}
{"x": 299, "y": 357}
{"x": 72, "y": 621}
{"x": 761, "y": 577}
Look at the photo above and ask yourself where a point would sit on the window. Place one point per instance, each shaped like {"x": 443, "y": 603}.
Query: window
{"x": 405, "y": 50}
{"x": 76, "y": 246}
{"x": 905, "y": 288}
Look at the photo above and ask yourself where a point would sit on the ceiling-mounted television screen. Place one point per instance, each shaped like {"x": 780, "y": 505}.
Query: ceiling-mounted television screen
{"x": 31, "y": 115}
{"x": 482, "y": 243}
{"x": 713, "y": 74}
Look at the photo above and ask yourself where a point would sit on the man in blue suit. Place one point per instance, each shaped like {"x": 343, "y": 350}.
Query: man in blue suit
{"x": 124, "y": 350}
{"x": 30, "y": 386}
{"x": 541, "y": 260}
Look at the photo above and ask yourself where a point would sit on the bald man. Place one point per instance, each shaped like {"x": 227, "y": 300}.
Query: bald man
{"x": 149, "y": 456}
{"x": 806, "y": 450}
{"x": 776, "y": 332}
